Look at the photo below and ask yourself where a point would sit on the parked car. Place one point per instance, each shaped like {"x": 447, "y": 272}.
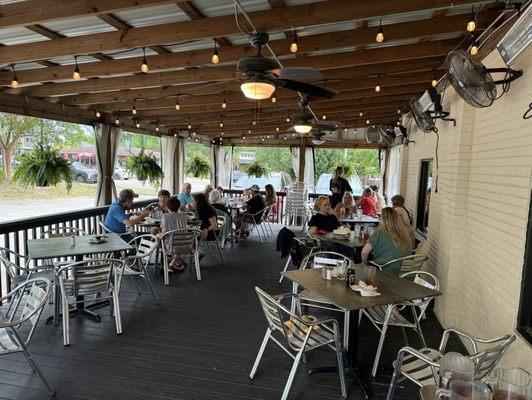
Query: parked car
{"x": 120, "y": 173}
{"x": 83, "y": 174}
{"x": 236, "y": 176}
{"x": 279, "y": 180}
{"x": 322, "y": 186}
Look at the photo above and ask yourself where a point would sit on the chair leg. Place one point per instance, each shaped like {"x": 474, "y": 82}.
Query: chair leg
{"x": 346, "y": 330}
{"x": 292, "y": 374}
{"x": 418, "y": 327}
{"x": 135, "y": 283}
{"x": 405, "y": 336}
{"x": 118, "y": 319}
{"x": 221, "y": 254}
{"x": 197, "y": 265}
{"x": 261, "y": 351}
{"x": 66, "y": 317}
{"x": 381, "y": 341}
{"x": 340, "y": 360}
{"x": 395, "y": 377}
{"x": 165, "y": 270}
{"x": 35, "y": 368}
{"x": 288, "y": 261}
{"x": 148, "y": 281}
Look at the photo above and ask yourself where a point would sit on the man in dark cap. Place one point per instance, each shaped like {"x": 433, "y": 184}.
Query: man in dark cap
{"x": 116, "y": 219}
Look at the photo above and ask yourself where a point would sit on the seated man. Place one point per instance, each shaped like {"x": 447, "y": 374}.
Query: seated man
{"x": 160, "y": 208}
{"x": 253, "y": 206}
{"x": 116, "y": 219}
{"x": 185, "y": 197}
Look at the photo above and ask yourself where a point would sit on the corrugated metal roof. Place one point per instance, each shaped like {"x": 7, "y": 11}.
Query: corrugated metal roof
{"x": 147, "y": 16}
{"x": 216, "y": 8}
{"x": 79, "y": 26}
{"x": 19, "y": 35}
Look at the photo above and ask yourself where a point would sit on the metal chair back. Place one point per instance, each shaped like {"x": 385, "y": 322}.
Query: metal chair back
{"x": 145, "y": 245}
{"x": 87, "y": 277}
{"x": 62, "y": 231}
{"x": 487, "y": 359}
{"x": 414, "y": 262}
{"x": 425, "y": 279}
{"x": 14, "y": 263}
{"x": 320, "y": 259}
{"x": 181, "y": 241}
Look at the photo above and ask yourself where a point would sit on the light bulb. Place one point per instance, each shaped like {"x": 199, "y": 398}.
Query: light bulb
{"x": 471, "y": 25}
{"x": 14, "y": 79}
{"x": 377, "y": 88}
{"x": 434, "y": 82}
{"x": 380, "y": 36}
{"x": 221, "y": 124}
{"x": 222, "y": 133}
{"x": 156, "y": 129}
{"x": 215, "y": 58}
{"x": 274, "y": 99}
{"x": 177, "y": 105}
{"x": 254, "y": 123}
{"x": 398, "y": 111}
{"x": 224, "y": 104}
{"x": 189, "y": 126}
{"x": 345, "y": 129}
{"x": 134, "y": 110}
{"x": 324, "y": 117}
{"x": 97, "y": 113}
{"x": 287, "y": 119}
{"x": 277, "y": 128}
{"x": 398, "y": 123}
{"x": 361, "y": 114}
{"x": 117, "y": 121}
{"x": 474, "y": 50}
{"x": 285, "y": 138}
{"x": 76, "y": 75}
{"x": 293, "y": 46}
{"x": 243, "y": 138}
{"x": 137, "y": 124}
{"x": 367, "y": 121}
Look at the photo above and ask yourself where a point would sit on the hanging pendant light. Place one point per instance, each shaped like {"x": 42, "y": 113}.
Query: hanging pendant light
{"x": 144, "y": 66}
{"x": 367, "y": 121}
{"x": 324, "y": 117}
{"x": 293, "y": 45}
{"x": 76, "y": 75}
{"x": 137, "y": 123}
{"x": 14, "y": 80}
{"x": 277, "y": 129}
{"x": 474, "y": 49}
{"x": 287, "y": 118}
{"x": 215, "y": 57}
{"x": 378, "y": 88}
{"x": 177, "y": 106}
{"x": 471, "y": 23}
{"x": 224, "y": 103}
{"x": 189, "y": 126}
{"x": 361, "y": 114}
{"x": 274, "y": 98}
{"x": 117, "y": 120}
{"x": 157, "y": 128}
{"x": 221, "y": 123}
{"x": 380, "y": 35}
{"x": 97, "y": 114}
{"x": 134, "y": 110}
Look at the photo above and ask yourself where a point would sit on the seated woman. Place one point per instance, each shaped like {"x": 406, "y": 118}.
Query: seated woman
{"x": 367, "y": 203}
{"x": 206, "y": 215}
{"x": 325, "y": 221}
{"x": 215, "y": 199}
{"x": 171, "y": 221}
{"x": 271, "y": 196}
{"x": 389, "y": 242}
{"x": 346, "y": 207}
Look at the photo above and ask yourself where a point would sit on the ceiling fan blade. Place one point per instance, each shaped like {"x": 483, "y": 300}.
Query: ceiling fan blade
{"x": 306, "y": 88}
{"x": 327, "y": 123}
{"x": 305, "y": 74}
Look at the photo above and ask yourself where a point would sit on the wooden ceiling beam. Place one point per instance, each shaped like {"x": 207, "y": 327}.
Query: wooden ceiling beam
{"x": 206, "y": 74}
{"x": 281, "y": 18}
{"x": 32, "y": 12}
{"x": 358, "y": 37}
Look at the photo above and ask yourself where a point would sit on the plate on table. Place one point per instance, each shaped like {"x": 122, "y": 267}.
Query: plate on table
{"x": 341, "y": 235}
{"x": 98, "y": 239}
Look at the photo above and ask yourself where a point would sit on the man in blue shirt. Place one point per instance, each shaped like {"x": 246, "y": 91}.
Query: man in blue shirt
{"x": 185, "y": 197}
{"x": 116, "y": 219}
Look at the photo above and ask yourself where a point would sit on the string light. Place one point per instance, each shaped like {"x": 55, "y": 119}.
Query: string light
{"x": 76, "y": 75}
{"x": 157, "y": 128}
{"x": 285, "y": 137}
{"x": 398, "y": 123}
{"x": 254, "y": 123}
{"x": 367, "y": 121}
{"x": 361, "y": 114}
{"x": 137, "y": 123}
{"x": 380, "y": 35}
{"x": 215, "y": 57}
{"x": 274, "y": 99}
{"x": 189, "y": 126}
{"x": 134, "y": 109}
{"x": 324, "y": 117}
{"x": 97, "y": 113}
{"x": 277, "y": 128}
{"x": 345, "y": 129}
{"x": 14, "y": 80}
{"x": 177, "y": 105}
{"x": 434, "y": 82}
{"x": 221, "y": 123}
{"x": 222, "y": 133}
{"x": 243, "y": 138}
{"x": 293, "y": 46}
{"x": 471, "y": 24}
{"x": 117, "y": 120}
{"x": 224, "y": 103}
{"x": 378, "y": 88}
{"x": 144, "y": 67}
{"x": 474, "y": 49}
{"x": 287, "y": 118}
{"x": 398, "y": 111}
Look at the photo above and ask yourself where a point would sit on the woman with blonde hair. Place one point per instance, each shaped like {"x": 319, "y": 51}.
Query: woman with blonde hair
{"x": 389, "y": 242}
{"x": 346, "y": 207}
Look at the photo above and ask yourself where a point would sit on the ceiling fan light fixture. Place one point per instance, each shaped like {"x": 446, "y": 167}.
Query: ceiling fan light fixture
{"x": 257, "y": 89}
{"x": 302, "y": 127}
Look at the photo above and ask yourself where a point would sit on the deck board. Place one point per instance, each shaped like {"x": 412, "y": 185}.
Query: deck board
{"x": 198, "y": 344}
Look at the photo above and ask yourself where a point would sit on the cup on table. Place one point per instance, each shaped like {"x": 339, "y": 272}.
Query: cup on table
{"x": 464, "y": 390}
{"x": 341, "y": 271}
{"x": 326, "y": 273}
{"x": 511, "y": 384}
{"x": 369, "y": 274}
{"x": 359, "y": 213}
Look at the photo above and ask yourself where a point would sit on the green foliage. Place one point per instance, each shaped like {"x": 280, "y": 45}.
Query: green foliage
{"x": 198, "y": 167}
{"x": 275, "y": 158}
{"x": 257, "y": 169}
{"x": 193, "y": 149}
{"x": 145, "y": 167}
{"x": 141, "y": 141}
{"x": 363, "y": 162}
{"x": 42, "y": 166}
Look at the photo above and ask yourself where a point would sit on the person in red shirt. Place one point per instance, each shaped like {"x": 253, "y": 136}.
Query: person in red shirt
{"x": 368, "y": 203}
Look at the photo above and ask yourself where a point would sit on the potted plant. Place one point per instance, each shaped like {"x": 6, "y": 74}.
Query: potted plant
{"x": 256, "y": 169}
{"x": 42, "y": 166}
{"x": 198, "y": 167}
{"x": 145, "y": 167}
{"x": 349, "y": 169}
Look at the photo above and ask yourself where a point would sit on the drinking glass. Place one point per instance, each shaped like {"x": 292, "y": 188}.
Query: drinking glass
{"x": 511, "y": 384}
{"x": 369, "y": 274}
{"x": 341, "y": 271}
{"x": 455, "y": 367}
{"x": 359, "y": 212}
{"x": 464, "y": 390}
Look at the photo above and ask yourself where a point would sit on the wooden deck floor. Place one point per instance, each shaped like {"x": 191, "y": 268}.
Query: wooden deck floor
{"x": 198, "y": 344}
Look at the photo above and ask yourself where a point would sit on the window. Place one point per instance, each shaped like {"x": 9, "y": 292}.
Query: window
{"x": 524, "y": 316}
{"x": 423, "y": 197}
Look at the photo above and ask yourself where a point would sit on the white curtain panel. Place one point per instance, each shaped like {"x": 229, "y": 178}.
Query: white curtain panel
{"x": 309, "y": 169}
{"x": 382, "y": 156}
{"x": 393, "y": 183}
{"x": 295, "y": 160}
{"x": 180, "y": 178}
{"x": 107, "y": 141}
{"x": 224, "y": 166}
{"x": 169, "y": 162}
{"x": 215, "y": 150}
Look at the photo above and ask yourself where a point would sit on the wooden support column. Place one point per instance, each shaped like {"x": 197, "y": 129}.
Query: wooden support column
{"x": 302, "y": 147}
{"x": 178, "y": 171}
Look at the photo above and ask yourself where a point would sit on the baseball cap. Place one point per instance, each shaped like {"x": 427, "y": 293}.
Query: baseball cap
{"x": 255, "y": 188}
{"x": 127, "y": 194}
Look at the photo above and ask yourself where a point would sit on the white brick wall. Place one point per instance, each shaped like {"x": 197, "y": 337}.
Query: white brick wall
{"x": 478, "y": 218}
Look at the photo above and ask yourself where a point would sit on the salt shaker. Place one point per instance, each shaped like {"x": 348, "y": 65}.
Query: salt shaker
{"x": 72, "y": 241}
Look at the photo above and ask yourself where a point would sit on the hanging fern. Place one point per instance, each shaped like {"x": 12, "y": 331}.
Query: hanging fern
{"x": 198, "y": 167}
{"x": 349, "y": 169}
{"x": 43, "y": 166}
{"x": 145, "y": 167}
{"x": 256, "y": 169}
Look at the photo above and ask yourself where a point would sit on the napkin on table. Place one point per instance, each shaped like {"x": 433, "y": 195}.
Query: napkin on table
{"x": 365, "y": 290}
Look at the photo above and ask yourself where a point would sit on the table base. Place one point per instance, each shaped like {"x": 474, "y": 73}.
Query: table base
{"x": 354, "y": 371}
{"x": 84, "y": 310}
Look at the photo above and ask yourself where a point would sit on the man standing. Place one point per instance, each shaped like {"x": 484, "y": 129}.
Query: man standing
{"x": 185, "y": 197}
{"x": 116, "y": 219}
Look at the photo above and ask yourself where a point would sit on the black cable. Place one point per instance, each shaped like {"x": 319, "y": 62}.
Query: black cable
{"x": 437, "y": 161}
{"x": 528, "y": 113}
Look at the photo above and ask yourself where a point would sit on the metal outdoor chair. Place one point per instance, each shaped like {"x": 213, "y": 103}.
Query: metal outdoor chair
{"x": 107, "y": 230}
{"x": 297, "y": 335}
{"x": 136, "y": 264}
{"x": 266, "y": 224}
{"x": 181, "y": 242}
{"x": 17, "y": 267}
{"x": 253, "y": 222}
{"x": 410, "y": 263}
{"x": 300, "y": 245}
{"x": 90, "y": 277}
{"x": 18, "y": 325}
{"x": 216, "y": 242}
{"x": 421, "y": 366}
{"x": 296, "y": 198}
{"x": 383, "y": 317}
{"x": 309, "y": 298}
{"x": 226, "y": 227}
{"x": 63, "y": 231}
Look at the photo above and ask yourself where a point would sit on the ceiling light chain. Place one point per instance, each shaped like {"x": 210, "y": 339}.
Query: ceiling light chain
{"x": 14, "y": 80}
{"x": 380, "y": 35}
{"x": 76, "y": 75}
{"x": 144, "y": 67}
{"x": 215, "y": 57}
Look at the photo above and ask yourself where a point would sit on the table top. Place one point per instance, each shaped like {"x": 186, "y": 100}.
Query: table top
{"x": 352, "y": 241}
{"x": 392, "y": 289}
{"x": 60, "y": 246}
{"x": 363, "y": 219}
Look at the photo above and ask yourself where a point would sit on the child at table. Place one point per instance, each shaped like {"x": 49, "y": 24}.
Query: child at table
{"x": 170, "y": 221}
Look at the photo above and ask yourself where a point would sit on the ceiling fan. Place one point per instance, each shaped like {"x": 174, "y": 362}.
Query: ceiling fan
{"x": 262, "y": 75}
